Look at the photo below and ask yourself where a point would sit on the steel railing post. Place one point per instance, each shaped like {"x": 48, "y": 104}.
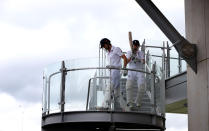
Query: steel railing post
{"x": 163, "y": 59}
{"x": 179, "y": 64}
{"x": 48, "y": 95}
{"x": 168, "y": 62}
{"x": 62, "y": 88}
{"x": 153, "y": 95}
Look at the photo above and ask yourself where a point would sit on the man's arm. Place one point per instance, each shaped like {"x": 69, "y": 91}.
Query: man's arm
{"x": 119, "y": 52}
{"x": 128, "y": 56}
{"x": 128, "y": 60}
{"x": 124, "y": 60}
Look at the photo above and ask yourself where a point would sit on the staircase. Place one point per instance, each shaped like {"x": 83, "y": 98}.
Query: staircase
{"x": 146, "y": 106}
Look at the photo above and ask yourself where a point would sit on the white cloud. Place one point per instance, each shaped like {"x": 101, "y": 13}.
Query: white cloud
{"x": 19, "y": 116}
{"x": 18, "y": 42}
{"x": 174, "y": 129}
{"x": 174, "y": 121}
{"x": 174, "y": 11}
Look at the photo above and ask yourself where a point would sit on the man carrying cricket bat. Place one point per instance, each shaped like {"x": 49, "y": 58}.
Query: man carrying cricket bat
{"x": 135, "y": 61}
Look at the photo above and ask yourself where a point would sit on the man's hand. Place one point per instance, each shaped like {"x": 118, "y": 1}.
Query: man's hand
{"x": 135, "y": 58}
{"x": 125, "y": 72}
{"x": 110, "y": 66}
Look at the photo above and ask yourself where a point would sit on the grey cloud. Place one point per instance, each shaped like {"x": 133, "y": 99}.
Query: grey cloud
{"x": 38, "y": 16}
{"x": 22, "y": 79}
{"x": 104, "y": 13}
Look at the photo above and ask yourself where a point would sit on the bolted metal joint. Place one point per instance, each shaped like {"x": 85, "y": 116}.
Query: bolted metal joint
{"x": 61, "y": 103}
{"x": 188, "y": 52}
{"x": 63, "y": 69}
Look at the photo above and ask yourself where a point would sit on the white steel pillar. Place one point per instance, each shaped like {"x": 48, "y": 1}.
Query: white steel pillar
{"x": 197, "y": 32}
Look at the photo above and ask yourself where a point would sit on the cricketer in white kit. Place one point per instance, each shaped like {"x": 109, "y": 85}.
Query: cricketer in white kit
{"x": 135, "y": 61}
{"x": 114, "y": 56}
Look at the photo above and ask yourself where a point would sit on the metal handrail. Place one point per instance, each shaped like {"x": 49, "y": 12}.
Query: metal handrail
{"x": 148, "y": 46}
{"x": 129, "y": 69}
{"x": 54, "y": 74}
{"x": 76, "y": 69}
{"x": 166, "y": 57}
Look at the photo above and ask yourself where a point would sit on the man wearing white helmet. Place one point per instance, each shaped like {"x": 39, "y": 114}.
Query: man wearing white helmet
{"x": 135, "y": 61}
{"x": 114, "y": 55}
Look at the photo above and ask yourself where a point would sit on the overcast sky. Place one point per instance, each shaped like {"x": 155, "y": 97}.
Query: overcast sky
{"x": 37, "y": 33}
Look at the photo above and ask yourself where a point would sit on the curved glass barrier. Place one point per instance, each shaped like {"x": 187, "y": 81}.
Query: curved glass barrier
{"x": 81, "y": 63}
{"x": 88, "y": 88}
{"x": 76, "y": 89}
{"x": 54, "y": 92}
{"x": 178, "y": 65}
{"x": 166, "y": 60}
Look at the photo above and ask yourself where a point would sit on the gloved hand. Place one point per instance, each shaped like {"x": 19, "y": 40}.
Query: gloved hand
{"x": 137, "y": 59}
{"x": 133, "y": 57}
{"x": 125, "y": 72}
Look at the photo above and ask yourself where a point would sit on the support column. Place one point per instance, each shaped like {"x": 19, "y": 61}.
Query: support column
{"x": 197, "y": 32}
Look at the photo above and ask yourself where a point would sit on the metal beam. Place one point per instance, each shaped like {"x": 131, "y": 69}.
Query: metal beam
{"x": 185, "y": 49}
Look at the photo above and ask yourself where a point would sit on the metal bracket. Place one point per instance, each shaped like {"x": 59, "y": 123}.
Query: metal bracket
{"x": 185, "y": 49}
{"x": 188, "y": 52}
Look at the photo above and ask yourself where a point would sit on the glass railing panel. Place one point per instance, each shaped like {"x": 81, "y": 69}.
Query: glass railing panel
{"x": 82, "y": 63}
{"x": 174, "y": 67}
{"x": 156, "y": 54}
{"x": 52, "y": 68}
{"x": 54, "y": 93}
{"x": 76, "y": 89}
{"x": 99, "y": 92}
{"x": 145, "y": 91}
{"x": 79, "y": 81}
{"x": 158, "y": 89}
{"x": 184, "y": 66}
{"x": 159, "y": 92}
{"x": 174, "y": 63}
{"x": 101, "y": 98}
{"x": 45, "y": 94}
{"x": 147, "y": 95}
{"x": 49, "y": 93}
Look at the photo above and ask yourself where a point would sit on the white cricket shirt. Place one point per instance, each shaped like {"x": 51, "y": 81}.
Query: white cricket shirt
{"x": 133, "y": 64}
{"x": 114, "y": 57}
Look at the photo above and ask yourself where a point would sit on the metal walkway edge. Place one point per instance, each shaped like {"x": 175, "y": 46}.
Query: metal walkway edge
{"x": 176, "y": 93}
{"x": 101, "y": 121}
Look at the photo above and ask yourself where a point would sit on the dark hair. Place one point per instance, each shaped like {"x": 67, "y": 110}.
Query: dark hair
{"x": 104, "y": 41}
{"x": 136, "y": 43}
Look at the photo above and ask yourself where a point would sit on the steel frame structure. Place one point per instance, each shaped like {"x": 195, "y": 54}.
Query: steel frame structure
{"x": 185, "y": 49}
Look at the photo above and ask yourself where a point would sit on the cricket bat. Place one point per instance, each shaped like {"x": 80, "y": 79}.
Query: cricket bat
{"x": 130, "y": 40}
